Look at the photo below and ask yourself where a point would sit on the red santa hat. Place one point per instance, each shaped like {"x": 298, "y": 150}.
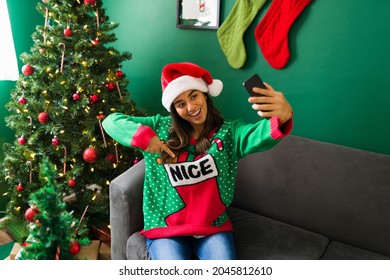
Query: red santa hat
{"x": 179, "y": 77}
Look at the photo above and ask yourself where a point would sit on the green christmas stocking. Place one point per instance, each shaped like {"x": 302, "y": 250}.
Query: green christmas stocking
{"x": 230, "y": 34}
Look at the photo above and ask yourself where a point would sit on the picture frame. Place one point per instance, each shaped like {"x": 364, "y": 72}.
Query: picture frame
{"x": 198, "y": 14}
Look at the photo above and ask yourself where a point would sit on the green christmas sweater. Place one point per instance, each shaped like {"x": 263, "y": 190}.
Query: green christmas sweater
{"x": 190, "y": 196}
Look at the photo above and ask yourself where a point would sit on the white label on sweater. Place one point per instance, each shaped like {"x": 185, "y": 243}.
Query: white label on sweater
{"x": 190, "y": 173}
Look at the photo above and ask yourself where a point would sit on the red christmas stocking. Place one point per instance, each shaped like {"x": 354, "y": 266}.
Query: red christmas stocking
{"x": 272, "y": 32}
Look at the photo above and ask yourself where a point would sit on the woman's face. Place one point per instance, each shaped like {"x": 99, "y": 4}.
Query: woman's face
{"x": 191, "y": 105}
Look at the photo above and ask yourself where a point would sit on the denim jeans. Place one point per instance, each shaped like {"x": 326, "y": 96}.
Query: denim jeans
{"x": 218, "y": 246}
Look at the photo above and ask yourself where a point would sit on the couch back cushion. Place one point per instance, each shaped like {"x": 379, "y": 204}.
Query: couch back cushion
{"x": 341, "y": 192}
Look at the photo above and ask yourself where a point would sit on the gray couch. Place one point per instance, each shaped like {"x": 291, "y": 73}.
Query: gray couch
{"x": 302, "y": 200}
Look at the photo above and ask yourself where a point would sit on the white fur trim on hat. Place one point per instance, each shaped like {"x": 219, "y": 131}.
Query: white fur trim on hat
{"x": 184, "y": 83}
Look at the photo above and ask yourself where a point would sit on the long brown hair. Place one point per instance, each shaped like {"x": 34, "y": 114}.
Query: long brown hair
{"x": 180, "y": 131}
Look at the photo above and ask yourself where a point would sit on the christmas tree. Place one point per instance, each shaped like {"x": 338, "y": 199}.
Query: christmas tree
{"x": 53, "y": 230}
{"x": 71, "y": 80}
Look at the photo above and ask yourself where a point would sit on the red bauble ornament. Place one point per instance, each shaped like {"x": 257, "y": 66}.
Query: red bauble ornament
{"x": 74, "y": 247}
{"x": 68, "y": 32}
{"x": 20, "y": 188}
{"x": 76, "y": 96}
{"x": 72, "y": 182}
{"x": 30, "y": 214}
{"x": 110, "y": 86}
{"x": 111, "y": 158}
{"x": 95, "y": 42}
{"x": 55, "y": 141}
{"x": 90, "y": 155}
{"x": 89, "y": 2}
{"x": 27, "y": 70}
{"x": 43, "y": 117}
{"x": 22, "y": 140}
{"x": 22, "y": 100}
{"x": 119, "y": 73}
{"x": 94, "y": 98}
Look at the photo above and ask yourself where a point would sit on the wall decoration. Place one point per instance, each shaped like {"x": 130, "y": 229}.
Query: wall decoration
{"x": 198, "y": 14}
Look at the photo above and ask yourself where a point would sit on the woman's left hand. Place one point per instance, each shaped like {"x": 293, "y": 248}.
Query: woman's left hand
{"x": 271, "y": 103}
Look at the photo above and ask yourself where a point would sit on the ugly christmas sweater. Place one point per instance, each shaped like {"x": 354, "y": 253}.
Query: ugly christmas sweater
{"x": 190, "y": 196}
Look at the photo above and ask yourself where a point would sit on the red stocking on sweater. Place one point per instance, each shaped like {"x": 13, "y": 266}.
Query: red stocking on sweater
{"x": 272, "y": 32}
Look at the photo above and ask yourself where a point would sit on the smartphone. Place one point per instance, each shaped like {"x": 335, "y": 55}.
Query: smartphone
{"x": 254, "y": 81}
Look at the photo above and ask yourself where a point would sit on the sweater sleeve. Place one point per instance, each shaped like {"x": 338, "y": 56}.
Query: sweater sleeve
{"x": 130, "y": 131}
{"x": 258, "y": 137}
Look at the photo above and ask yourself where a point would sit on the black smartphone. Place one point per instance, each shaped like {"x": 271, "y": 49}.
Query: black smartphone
{"x": 254, "y": 81}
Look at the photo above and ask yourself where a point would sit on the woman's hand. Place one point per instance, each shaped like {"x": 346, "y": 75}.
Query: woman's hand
{"x": 156, "y": 146}
{"x": 271, "y": 103}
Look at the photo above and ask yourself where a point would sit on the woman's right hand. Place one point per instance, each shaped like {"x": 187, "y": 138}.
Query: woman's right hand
{"x": 156, "y": 146}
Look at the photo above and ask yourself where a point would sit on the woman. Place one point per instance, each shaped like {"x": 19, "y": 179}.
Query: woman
{"x": 191, "y": 160}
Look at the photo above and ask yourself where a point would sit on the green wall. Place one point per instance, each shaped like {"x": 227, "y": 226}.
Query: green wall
{"x": 336, "y": 79}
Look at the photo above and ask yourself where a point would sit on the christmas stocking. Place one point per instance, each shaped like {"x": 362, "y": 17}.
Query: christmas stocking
{"x": 272, "y": 32}
{"x": 230, "y": 34}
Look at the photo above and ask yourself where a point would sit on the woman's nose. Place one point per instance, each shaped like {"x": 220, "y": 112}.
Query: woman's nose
{"x": 190, "y": 106}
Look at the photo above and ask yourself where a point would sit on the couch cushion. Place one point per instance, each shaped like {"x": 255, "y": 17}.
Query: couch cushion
{"x": 256, "y": 238}
{"x": 341, "y": 251}
{"x": 261, "y": 238}
{"x": 340, "y": 192}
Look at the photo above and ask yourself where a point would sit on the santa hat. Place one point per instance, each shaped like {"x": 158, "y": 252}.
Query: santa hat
{"x": 177, "y": 78}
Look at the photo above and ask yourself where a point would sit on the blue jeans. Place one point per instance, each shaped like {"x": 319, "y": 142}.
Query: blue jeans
{"x": 218, "y": 246}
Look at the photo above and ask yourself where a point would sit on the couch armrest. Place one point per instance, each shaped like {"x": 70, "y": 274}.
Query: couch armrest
{"x": 126, "y": 216}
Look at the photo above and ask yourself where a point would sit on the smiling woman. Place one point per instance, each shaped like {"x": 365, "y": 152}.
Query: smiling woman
{"x": 8, "y": 63}
{"x": 191, "y": 160}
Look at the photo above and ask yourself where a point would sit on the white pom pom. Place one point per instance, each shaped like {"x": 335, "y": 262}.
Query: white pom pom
{"x": 215, "y": 87}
